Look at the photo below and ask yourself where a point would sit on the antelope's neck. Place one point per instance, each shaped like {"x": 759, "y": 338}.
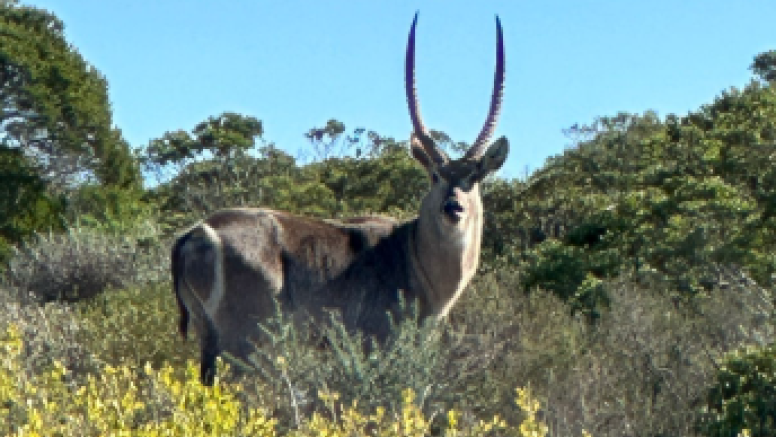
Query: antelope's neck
{"x": 443, "y": 267}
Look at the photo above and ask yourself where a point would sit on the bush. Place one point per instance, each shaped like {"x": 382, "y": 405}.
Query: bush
{"x": 82, "y": 263}
{"x": 657, "y": 353}
{"x": 117, "y": 401}
{"x": 442, "y": 366}
{"x": 134, "y": 326}
{"x": 555, "y": 267}
{"x": 126, "y": 401}
{"x": 26, "y": 203}
{"x": 743, "y": 396}
{"x": 642, "y": 369}
{"x": 51, "y": 332}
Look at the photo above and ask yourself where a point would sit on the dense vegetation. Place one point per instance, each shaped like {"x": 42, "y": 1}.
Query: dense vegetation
{"x": 629, "y": 282}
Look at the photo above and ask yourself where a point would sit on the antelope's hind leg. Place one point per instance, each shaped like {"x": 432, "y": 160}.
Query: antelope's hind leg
{"x": 200, "y": 290}
{"x": 210, "y": 351}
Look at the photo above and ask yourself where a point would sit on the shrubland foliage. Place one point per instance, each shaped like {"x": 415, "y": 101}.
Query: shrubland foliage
{"x": 142, "y": 401}
{"x": 380, "y": 179}
{"x": 743, "y": 396}
{"x": 83, "y": 262}
{"x": 667, "y": 199}
{"x": 628, "y": 284}
{"x": 643, "y": 366}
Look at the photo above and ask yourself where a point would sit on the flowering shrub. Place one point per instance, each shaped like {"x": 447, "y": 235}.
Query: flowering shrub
{"x": 122, "y": 401}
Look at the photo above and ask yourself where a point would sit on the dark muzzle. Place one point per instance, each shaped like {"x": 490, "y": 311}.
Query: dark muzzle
{"x": 452, "y": 209}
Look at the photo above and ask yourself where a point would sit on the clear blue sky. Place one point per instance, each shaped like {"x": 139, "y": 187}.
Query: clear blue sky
{"x": 294, "y": 64}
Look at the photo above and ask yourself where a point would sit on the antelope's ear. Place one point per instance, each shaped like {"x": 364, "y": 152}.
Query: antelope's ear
{"x": 419, "y": 152}
{"x": 494, "y": 157}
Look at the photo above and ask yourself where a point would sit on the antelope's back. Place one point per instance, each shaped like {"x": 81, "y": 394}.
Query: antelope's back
{"x": 291, "y": 252}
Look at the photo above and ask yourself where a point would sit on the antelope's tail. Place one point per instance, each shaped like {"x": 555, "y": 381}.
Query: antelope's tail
{"x": 177, "y": 270}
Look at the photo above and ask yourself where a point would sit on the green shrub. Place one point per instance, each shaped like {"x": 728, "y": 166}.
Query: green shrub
{"x": 743, "y": 396}
{"x": 134, "y": 326}
{"x": 591, "y": 298}
{"x": 555, "y": 267}
{"x": 112, "y": 210}
{"x": 439, "y": 364}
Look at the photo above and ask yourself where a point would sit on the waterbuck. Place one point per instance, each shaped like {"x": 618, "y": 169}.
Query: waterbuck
{"x": 234, "y": 269}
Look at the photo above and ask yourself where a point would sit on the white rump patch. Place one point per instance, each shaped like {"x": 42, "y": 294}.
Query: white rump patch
{"x": 217, "y": 292}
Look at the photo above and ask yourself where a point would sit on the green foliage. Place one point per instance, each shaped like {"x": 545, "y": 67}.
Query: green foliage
{"x": 653, "y": 228}
{"x": 324, "y": 140}
{"x": 669, "y": 199}
{"x": 556, "y": 267}
{"x": 227, "y": 135}
{"x": 56, "y": 129}
{"x": 271, "y": 180}
{"x": 220, "y": 164}
{"x": 25, "y": 204}
{"x": 390, "y": 183}
{"x": 591, "y": 298}
{"x": 642, "y": 366}
{"x": 133, "y": 326}
{"x": 419, "y": 357}
{"x": 764, "y": 66}
{"x": 114, "y": 211}
{"x": 743, "y": 396}
{"x": 381, "y": 178}
{"x": 55, "y": 105}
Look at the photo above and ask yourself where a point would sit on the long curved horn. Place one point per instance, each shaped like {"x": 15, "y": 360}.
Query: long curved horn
{"x": 478, "y": 148}
{"x": 412, "y": 100}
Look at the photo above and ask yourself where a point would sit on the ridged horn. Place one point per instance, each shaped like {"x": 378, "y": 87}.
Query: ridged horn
{"x": 412, "y": 101}
{"x": 478, "y": 148}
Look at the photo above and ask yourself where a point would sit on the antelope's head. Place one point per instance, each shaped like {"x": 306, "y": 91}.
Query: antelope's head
{"x": 453, "y": 203}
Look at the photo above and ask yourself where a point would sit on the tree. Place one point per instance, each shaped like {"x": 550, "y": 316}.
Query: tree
{"x": 331, "y": 141}
{"x": 226, "y": 136}
{"x": 210, "y": 167}
{"x": 25, "y": 204}
{"x": 54, "y": 106}
{"x": 764, "y": 66}
{"x": 327, "y": 141}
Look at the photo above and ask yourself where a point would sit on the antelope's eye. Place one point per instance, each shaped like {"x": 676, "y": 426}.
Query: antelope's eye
{"x": 434, "y": 177}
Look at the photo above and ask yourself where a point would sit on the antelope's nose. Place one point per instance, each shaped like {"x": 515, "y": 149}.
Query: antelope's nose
{"x": 452, "y": 209}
